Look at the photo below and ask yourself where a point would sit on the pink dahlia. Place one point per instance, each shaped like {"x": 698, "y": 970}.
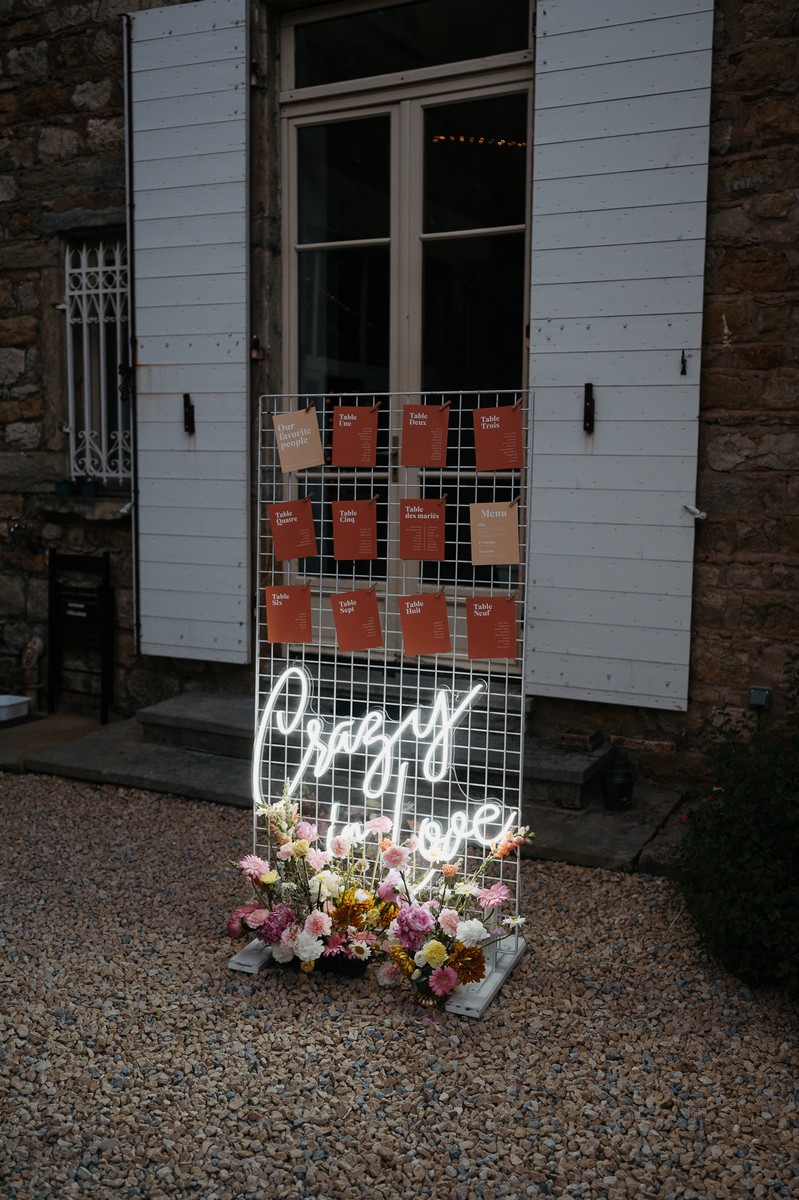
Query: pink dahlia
{"x": 340, "y": 846}
{"x": 306, "y": 830}
{"x": 449, "y": 919}
{"x": 443, "y": 981}
{"x": 317, "y": 859}
{"x": 256, "y": 918}
{"x": 318, "y": 924}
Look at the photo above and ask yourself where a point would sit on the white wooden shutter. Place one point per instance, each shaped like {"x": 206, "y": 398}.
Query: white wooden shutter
{"x": 188, "y": 108}
{"x": 622, "y": 97}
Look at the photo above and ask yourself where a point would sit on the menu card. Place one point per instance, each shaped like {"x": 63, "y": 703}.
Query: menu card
{"x": 354, "y": 436}
{"x": 354, "y": 529}
{"x": 495, "y": 533}
{"x": 491, "y": 627}
{"x": 357, "y": 620}
{"x": 425, "y": 624}
{"x": 288, "y": 613}
{"x": 297, "y": 438}
{"x": 424, "y": 435}
{"x": 422, "y": 529}
{"x": 498, "y": 444}
{"x": 292, "y": 528}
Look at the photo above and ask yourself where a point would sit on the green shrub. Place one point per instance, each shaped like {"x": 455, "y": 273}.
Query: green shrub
{"x": 738, "y": 866}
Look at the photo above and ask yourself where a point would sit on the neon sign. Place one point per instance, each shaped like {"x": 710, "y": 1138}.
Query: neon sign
{"x": 379, "y": 741}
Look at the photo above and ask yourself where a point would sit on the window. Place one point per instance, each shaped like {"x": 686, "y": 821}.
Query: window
{"x": 407, "y": 186}
{"x": 96, "y": 302}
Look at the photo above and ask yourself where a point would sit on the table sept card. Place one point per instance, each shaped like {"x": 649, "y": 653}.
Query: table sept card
{"x": 288, "y": 613}
{"x": 498, "y": 444}
{"x": 292, "y": 528}
{"x": 425, "y": 624}
{"x": 354, "y": 436}
{"x": 297, "y": 439}
{"x": 357, "y": 620}
{"x": 354, "y": 529}
{"x": 424, "y": 435}
{"x": 495, "y": 533}
{"x": 422, "y": 529}
{"x": 491, "y": 627}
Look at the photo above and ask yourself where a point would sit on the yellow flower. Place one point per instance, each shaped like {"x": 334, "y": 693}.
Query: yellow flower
{"x": 435, "y": 953}
{"x": 403, "y": 959}
{"x": 269, "y": 878}
{"x": 300, "y": 848}
{"x": 307, "y": 966}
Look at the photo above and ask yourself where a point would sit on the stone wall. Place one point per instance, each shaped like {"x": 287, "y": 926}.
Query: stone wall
{"x": 62, "y": 170}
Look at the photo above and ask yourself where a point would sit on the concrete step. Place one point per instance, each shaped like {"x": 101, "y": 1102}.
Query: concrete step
{"x": 117, "y": 753}
{"x": 209, "y": 723}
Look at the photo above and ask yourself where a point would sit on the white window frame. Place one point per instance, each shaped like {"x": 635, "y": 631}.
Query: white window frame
{"x": 99, "y": 421}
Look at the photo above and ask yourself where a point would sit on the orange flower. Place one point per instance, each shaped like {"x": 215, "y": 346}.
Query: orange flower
{"x": 384, "y": 843}
{"x": 449, "y": 869}
{"x": 468, "y": 962}
{"x": 350, "y": 911}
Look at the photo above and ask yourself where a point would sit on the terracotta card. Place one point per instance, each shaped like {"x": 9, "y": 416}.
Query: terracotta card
{"x": 354, "y": 529}
{"x": 288, "y": 613}
{"x": 424, "y": 435}
{"x": 491, "y": 627}
{"x": 425, "y": 624}
{"x": 498, "y": 444}
{"x": 495, "y": 533}
{"x": 354, "y": 436}
{"x": 292, "y": 528}
{"x": 422, "y": 529}
{"x": 357, "y": 620}
{"x": 297, "y": 438}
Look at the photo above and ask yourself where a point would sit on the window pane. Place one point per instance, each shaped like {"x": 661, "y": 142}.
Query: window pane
{"x": 406, "y": 36}
{"x": 344, "y": 180}
{"x": 475, "y": 163}
{"x": 473, "y": 305}
{"x": 344, "y": 337}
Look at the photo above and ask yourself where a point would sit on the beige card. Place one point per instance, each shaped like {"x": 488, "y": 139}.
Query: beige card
{"x": 297, "y": 439}
{"x": 495, "y": 533}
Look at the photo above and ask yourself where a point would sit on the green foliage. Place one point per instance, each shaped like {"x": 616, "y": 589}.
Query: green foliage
{"x": 738, "y": 865}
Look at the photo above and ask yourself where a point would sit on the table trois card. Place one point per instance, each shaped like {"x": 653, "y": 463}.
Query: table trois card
{"x": 498, "y": 443}
{"x": 354, "y": 529}
{"x": 425, "y": 624}
{"x": 354, "y": 436}
{"x": 288, "y": 613}
{"x": 495, "y": 533}
{"x": 297, "y": 439}
{"x": 292, "y": 528}
{"x": 357, "y": 620}
{"x": 422, "y": 528}
{"x": 491, "y": 627}
{"x": 424, "y": 435}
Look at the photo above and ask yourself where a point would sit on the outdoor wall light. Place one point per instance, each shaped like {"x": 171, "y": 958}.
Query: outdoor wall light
{"x": 760, "y": 697}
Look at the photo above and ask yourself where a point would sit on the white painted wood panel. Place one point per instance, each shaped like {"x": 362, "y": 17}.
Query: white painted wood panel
{"x": 568, "y": 16}
{"x": 620, "y": 369}
{"x": 630, "y": 115}
{"x": 630, "y": 609}
{"x": 647, "y": 77}
{"x": 619, "y": 196}
{"x": 641, "y": 40}
{"x": 620, "y": 296}
{"x": 618, "y": 226}
{"x": 188, "y": 109}
{"x": 589, "y": 194}
{"x": 581, "y": 335}
{"x": 639, "y": 403}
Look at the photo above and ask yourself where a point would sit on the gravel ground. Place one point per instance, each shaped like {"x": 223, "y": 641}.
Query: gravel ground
{"x": 616, "y": 1061}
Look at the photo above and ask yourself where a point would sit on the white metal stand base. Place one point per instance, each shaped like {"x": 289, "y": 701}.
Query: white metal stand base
{"x": 252, "y": 959}
{"x": 472, "y": 999}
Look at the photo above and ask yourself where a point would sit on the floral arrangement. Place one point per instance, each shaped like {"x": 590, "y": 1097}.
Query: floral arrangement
{"x": 422, "y": 920}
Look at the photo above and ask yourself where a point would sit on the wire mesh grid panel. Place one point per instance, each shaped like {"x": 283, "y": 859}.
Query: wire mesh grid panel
{"x": 391, "y": 615}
